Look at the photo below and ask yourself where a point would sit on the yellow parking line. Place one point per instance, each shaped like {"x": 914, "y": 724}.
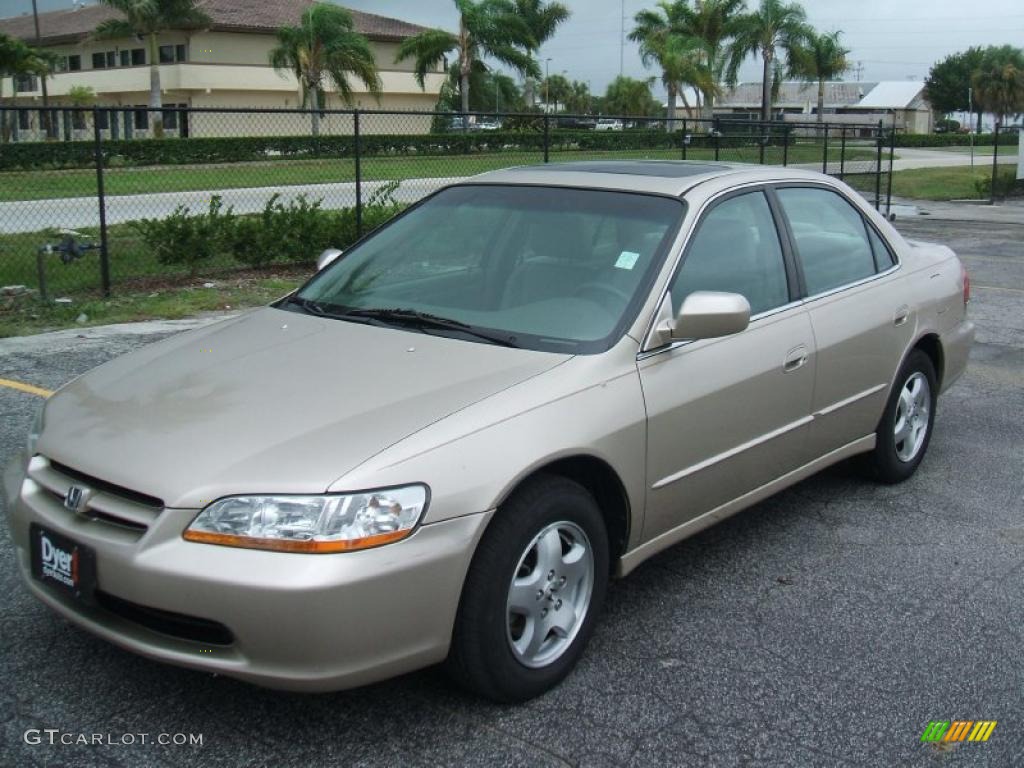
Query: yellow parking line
{"x": 32, "y": 390}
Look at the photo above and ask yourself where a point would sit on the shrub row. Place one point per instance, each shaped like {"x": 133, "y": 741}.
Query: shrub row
{"x": 197, "y": 151}
{"x": 294, "y": 232}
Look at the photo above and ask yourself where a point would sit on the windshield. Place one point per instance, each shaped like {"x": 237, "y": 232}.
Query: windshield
{"x": 545, "y": 268}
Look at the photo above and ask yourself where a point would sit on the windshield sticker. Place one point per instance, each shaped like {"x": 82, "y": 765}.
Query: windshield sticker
{"x": 627, "y": 260}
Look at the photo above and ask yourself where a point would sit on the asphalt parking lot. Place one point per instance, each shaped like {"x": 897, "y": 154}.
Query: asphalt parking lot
{"x": 826, "y": 626}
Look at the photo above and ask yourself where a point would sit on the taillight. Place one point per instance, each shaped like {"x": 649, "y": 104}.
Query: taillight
{"x": 967, "y": 284}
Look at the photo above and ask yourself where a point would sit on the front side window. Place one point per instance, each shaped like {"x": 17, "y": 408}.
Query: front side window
{"x": 735, "y": 249}
{"x": 166, "y": 54}
{"x": 830, "y": 238}
{"x": 138, "y": 57}
{"x": 549, "y": 268}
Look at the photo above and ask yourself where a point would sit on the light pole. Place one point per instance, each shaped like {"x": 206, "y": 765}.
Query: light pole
{"x": 547, "y": 77}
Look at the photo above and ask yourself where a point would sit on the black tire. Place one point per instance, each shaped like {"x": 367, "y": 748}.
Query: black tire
{"x": 884, "y": 462}
{"x": 481, "y": 658}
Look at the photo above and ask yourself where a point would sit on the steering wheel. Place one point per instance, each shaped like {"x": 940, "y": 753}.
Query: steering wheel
{"x": 601, "y": 289}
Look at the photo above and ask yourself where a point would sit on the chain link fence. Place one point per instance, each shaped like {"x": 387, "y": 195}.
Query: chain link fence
{"x": 111, "y": 206}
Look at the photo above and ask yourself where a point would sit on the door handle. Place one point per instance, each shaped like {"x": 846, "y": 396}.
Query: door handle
{"x": 795, "y": 359}
{"x": 901, "y": 315}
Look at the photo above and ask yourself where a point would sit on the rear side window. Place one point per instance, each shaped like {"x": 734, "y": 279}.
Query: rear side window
{"x": 883, "y": 255}
{"x": 830, "y": 238}
{"x": 736, "y": 249}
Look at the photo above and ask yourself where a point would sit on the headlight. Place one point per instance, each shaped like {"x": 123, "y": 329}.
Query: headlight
{"x": 34, "y": 431}
{"x": 330, "y": 523}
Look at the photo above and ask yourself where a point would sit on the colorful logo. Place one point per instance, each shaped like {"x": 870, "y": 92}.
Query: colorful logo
{"x": 958, "y": 730}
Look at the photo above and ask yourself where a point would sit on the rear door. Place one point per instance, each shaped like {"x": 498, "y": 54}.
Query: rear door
{"x": 862, "y": 318}
{"x": 728, "y": 415}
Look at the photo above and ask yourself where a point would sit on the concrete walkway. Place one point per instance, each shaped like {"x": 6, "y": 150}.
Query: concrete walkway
{"x": 76, "y": 212}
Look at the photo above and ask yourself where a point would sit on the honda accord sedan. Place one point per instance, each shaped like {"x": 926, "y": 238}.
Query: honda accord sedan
{"x": 444, "y": 445}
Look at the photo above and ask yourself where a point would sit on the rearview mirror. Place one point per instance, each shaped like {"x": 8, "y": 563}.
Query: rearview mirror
{"x": 708, "y": 315}
{"x": 327, "y": 258}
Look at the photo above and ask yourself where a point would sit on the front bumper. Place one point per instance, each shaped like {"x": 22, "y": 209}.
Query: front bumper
{"x": 299, "y": 621}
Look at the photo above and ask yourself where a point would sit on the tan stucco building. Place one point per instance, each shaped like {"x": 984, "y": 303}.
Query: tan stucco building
{"x": 225, "y": 65}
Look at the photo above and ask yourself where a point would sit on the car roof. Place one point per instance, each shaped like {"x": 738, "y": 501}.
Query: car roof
{"x": 666, "y": 177}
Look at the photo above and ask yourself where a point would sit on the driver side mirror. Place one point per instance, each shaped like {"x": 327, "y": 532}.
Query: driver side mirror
{"x": 707, "y": 315}
{"x": 327, "y": 258}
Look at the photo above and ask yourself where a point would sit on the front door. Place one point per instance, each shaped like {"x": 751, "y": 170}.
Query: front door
{"x": 727, "y": 415}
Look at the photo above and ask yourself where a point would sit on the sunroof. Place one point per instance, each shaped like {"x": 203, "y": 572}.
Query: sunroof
{"x": 668, "y": 169}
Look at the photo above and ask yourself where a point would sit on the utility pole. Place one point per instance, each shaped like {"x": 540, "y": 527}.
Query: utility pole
{"x": 46, "y": 99}
{"x": 622, "y": 35}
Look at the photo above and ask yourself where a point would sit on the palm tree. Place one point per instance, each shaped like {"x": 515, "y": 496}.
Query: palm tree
{"x": 147, "y": 19}
{"x": 822, "y": 57}
{"x": 556, "y": 89}
{"x": 17, "y": 58}
{"x": 81, "y": 96}
{"x": 999, "y": 82}
{"x": 541, "y": 19}
{"x": 324, "y": 48}
{"x": 626, "y": 96}
{"x": 487, "y": 28}
{"x": 579, "y": 100}
{"x": 713, "y": 22}
{"x": 680, "y": 56}
{"x": 774, "y": 25}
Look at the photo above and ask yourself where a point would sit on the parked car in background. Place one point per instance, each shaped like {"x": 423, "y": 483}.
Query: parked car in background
{"x": 488, "y": 125}
{"x": 460, "y": 123}
{"x": 608, "y": 124}
{"x": 444, "y": 444}
{"x": 576, "y": 123}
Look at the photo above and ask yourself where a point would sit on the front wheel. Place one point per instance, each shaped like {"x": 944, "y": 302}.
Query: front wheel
{"x": 906, "y": 427}
{"x": 533, "y": 592}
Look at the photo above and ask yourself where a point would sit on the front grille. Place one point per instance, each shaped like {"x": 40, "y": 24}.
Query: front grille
{"x": 166, "y": 622}
{"x": 104, "y": 487}
{"x": 108, "y": 503}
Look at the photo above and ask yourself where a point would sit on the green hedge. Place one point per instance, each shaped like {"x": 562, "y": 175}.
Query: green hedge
{"x": 200, "y": 151}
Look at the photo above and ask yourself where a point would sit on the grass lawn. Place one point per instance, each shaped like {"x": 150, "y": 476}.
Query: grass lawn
{"x": 956, "y": 183}
{"x": 41, "y": 185}
{"x": 130, "y": 261}
{"x": 24, "y": 315}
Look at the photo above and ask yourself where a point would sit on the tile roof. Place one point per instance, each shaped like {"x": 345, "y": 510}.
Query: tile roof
{"x": 228, "y": 15}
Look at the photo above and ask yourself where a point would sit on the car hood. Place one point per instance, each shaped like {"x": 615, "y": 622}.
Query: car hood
{"x": 270, "y": 402}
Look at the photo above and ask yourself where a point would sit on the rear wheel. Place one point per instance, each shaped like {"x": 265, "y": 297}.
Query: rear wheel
{"x": 906, "y": 427}
{"x": 533, "y": 592}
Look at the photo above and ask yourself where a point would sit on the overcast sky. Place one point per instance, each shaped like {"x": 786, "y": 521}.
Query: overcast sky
{"x": 893, "y": 39}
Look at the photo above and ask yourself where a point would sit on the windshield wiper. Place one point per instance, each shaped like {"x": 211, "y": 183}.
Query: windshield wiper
{"x": 309, "y": 306}
{"x": 424, "y": 320}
